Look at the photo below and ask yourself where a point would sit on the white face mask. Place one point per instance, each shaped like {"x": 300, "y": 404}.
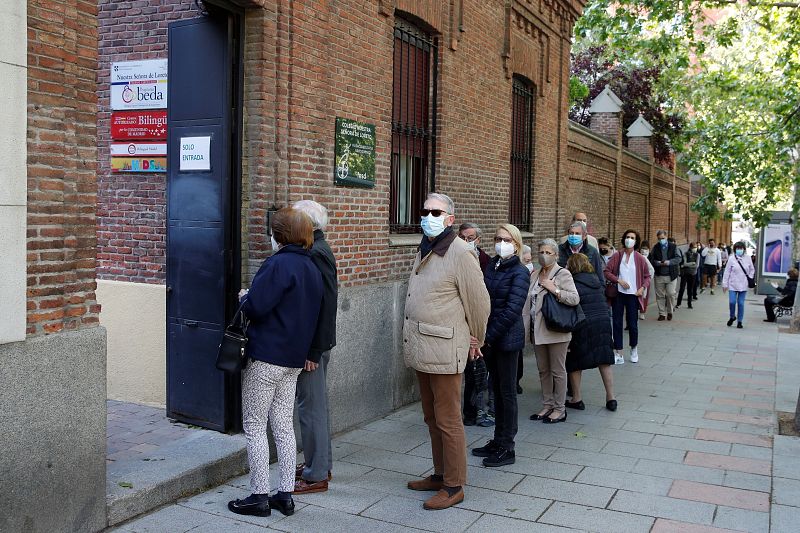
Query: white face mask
{"x": 504, "y": 249}
{"x": 432, "y": 226}
{"x": 275, "y": 244}
{"x": 630, "y": 243}
{"x": 472, "y": 245}
{"x": 529, "y": 266}
{"x": 645, "y": 252}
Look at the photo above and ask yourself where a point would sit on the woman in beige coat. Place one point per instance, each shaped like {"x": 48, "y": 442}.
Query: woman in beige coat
{"x": 550, "y": 346}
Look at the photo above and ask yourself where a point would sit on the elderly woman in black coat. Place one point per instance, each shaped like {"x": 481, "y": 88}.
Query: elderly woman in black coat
{"x": 591, "y": 345}
{"x": 507, "y": 281}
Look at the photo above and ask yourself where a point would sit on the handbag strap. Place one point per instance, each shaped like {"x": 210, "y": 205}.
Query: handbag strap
{"x": 240, "y": 318}
{"x": 742, "y": 267}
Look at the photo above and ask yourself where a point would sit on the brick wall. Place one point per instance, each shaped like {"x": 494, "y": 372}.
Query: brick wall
{"x": 62, "y": 54}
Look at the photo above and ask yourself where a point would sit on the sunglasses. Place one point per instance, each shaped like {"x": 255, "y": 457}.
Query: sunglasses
{"x": 435, "y": 212}
{"x": 503, "y": 239}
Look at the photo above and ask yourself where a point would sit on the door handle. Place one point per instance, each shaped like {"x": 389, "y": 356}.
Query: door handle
{"x": 169, "y": 289}
{"x": 190, "y": 323}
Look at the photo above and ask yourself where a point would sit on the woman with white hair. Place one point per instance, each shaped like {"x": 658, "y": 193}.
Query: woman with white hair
{"x": 550, "y": 346}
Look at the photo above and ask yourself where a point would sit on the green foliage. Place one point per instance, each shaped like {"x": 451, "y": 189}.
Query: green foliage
{"x": 734, "y": 68}
{"x": 578, "y": 91}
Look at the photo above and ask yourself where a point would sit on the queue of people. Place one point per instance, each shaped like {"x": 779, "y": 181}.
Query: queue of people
{"x": 466, "y": 312}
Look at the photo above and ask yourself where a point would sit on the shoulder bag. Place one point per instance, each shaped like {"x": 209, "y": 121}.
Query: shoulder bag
{"x": 561, "y": 317}
{"x": 751, "y": 282}
{"x": 232, "y": 351}
{"x": 611, "y": 287}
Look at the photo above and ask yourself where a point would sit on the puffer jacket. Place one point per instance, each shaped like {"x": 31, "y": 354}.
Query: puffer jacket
{"x": 591, "y": 345}
{"x": 447, "y": 302}
{"x": 507, "y": 281}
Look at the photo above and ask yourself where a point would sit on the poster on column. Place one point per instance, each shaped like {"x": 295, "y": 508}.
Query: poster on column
{"x": 777, "y": 252}
{"x": 139, "y": 84}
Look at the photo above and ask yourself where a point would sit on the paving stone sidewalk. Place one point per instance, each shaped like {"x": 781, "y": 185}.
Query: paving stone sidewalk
{"x": 692, "y": 448}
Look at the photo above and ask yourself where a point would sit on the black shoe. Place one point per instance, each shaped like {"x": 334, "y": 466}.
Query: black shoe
{"x": 768, "y": 320}
{"x": 669, "y": 316}
{"x": 254, "y": 505}
{"x": 486, "y": 451}
{"x": 285, "y": 506}
{"x": 500, "y": 457}
{"x": 562, "y": 418}
{"x": 579, "y": 405}
{"x": 690, "y": 306}
{"x": 519, "y": 389}
{"x": 470, "y": 421}
{"x": 739, "y": 325}
{"x": 536, "y": 416}
{"x": 730, "y": 321}
{"x": 611, "y": 405}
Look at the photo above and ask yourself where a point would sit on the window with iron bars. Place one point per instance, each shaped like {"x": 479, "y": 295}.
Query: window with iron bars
{"x": 413, "y": 164}
{"x": 522, "y": 117}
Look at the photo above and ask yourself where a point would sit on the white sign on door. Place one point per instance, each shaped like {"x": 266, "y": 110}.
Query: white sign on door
{"x": 195, "y": 153}
{"x": 139, "y": 84}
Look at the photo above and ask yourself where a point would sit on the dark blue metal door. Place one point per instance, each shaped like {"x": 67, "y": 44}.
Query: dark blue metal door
{"x": 202, "y": 216}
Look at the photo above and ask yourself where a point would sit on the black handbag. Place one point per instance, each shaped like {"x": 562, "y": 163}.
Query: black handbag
{"x": 232, "y": 351}
{"x": 561, "y": 317}
{"x": 751, "y": 282}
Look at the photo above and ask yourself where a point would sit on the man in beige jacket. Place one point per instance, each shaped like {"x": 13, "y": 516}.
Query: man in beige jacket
{"x": 447, "y": 307}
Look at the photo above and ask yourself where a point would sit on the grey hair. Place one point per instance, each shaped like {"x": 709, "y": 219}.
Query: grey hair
{"x": 470, "y": 225}
{"x": 446, "y": 200}
{"x": 578, "y": 224}
{"x": 315, "y": 211}
{"x": 661, "y": 232}
{"x": 550, "y": 243}
{"x": 526, "y": 249}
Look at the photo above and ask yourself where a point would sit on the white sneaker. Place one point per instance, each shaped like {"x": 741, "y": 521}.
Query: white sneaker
{"x": 641, "y": 316}
{"x": 618, "y": 358}
{"x": 634, "y": 355}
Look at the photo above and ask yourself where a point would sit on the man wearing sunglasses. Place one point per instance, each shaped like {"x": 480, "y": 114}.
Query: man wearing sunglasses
{"x": 447, "y": 307}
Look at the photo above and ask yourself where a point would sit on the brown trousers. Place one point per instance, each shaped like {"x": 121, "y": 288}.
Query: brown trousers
{"x": 551, "y": 360}
{"x": 441, "y": 406}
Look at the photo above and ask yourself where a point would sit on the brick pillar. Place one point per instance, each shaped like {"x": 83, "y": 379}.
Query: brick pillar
{"x": 608, "y": 125}
{"x": 641, "y": 146}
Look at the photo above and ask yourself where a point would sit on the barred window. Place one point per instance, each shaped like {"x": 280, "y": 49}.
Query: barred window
{"x": 522, "y": 117}
{"x": 413, "y": 166}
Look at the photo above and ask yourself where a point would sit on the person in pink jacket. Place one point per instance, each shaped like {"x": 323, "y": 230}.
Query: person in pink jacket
{"x": 735, "y": 282}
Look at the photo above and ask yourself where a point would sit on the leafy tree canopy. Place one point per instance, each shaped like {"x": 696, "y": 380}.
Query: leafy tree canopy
{"x": 733, "y": 67}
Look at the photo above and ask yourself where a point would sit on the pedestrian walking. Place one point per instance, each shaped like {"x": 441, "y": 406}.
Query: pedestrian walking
{"x": 698, "y": 280}
{"x": 550, "y": 346}
{"x": 644, "y": 249}
{"x": 666, "y": 260}
{"x": 283, "y": 305}
{"x": 591, "y": 345}
{"x": 724, "y": 253}
{"x": 507, "y": 282}
{"x": 629, "y": 271}
{"x": 735, "y": 281}
{"x": 446, "y": 310}
{"x": 688, "y": 275}
{"x": 577, "y": 243}
{"x": 712, "y": 262}
{"x": 785, "y": 296}
{"x": 312, "y": 391}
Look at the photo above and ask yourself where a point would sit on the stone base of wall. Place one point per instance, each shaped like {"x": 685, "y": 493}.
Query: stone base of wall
{"x": 53, "y": 439}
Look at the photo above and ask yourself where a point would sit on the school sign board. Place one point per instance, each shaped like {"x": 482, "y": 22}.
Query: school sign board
{"x": 139, "y": 84}
{"x": 139, "y": 125}
{"x": 354, "y": 153}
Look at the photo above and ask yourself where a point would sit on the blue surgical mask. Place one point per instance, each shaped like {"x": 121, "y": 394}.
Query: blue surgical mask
{"x": 663, "y": 242}
{"x": 574, "y": 240}
{"x": 432, "y": 226}
{"x": 739, "y": 252}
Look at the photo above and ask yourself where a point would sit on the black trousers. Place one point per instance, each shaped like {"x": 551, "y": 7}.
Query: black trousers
{"x": 769, "y": 306}
{"x": 503, "y": 369}
{"x": 470, "y": 409}
{"x": 687, "y": 281}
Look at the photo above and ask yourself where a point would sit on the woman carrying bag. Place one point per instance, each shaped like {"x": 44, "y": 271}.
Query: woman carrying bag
{"x": 550, "y": 346}
{"x": 738, "y": 277}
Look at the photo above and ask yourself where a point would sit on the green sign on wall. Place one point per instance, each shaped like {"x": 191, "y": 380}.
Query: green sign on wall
{"x": 354, "y": 163}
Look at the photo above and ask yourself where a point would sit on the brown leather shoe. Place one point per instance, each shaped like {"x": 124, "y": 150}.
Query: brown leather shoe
{"x": 441, "y": 500}
{"x": 298, "y": 472}
{"x": 426, "y": 484}
{"x": 661, "y": 317}
{"x": 669, "y": 316}
{"x": 302, "y": 486}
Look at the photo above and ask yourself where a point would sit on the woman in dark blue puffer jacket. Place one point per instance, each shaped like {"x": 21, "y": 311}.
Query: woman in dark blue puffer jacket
{"x": 507, "y": 281}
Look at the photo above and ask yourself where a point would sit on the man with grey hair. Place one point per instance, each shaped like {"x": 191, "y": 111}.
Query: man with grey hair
{"x": 471, "y": 234}
{"x": 581, "y": 217}
{"x": 666, "y": 260}
{"x": 447, "y": 307}
{"x": 577, "y": 243}
{"x": 312, "y": 392}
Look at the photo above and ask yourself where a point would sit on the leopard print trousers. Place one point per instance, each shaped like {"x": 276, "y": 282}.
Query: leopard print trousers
{"x": 268, "y": 396}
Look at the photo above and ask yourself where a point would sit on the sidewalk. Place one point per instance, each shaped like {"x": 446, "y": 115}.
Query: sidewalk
{"x": 691, "y": 449}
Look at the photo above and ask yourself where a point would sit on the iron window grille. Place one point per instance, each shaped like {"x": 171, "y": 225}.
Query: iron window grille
{"x": 414, "y": 100}
{"x": 522, "y": 120}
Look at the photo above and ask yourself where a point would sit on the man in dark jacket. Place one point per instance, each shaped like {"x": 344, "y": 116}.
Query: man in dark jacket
{"x": 312, "y": 392}
{"x": 471, "y": 234}
{"x": 666, "y": 260}
{"x": 688, "y": 274}
{"x": 577, "y": 243}
{"x": 785, "y": 298}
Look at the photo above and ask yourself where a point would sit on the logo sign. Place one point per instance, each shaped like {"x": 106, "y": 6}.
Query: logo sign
{"x": 139, "y": 84}
{"x": 136, "y": 125}
{"x": 354, "y": 153}
{"x": 142, "y": 149}
{"x": 195, "y": 153}
{"x": 138, "y": 164}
